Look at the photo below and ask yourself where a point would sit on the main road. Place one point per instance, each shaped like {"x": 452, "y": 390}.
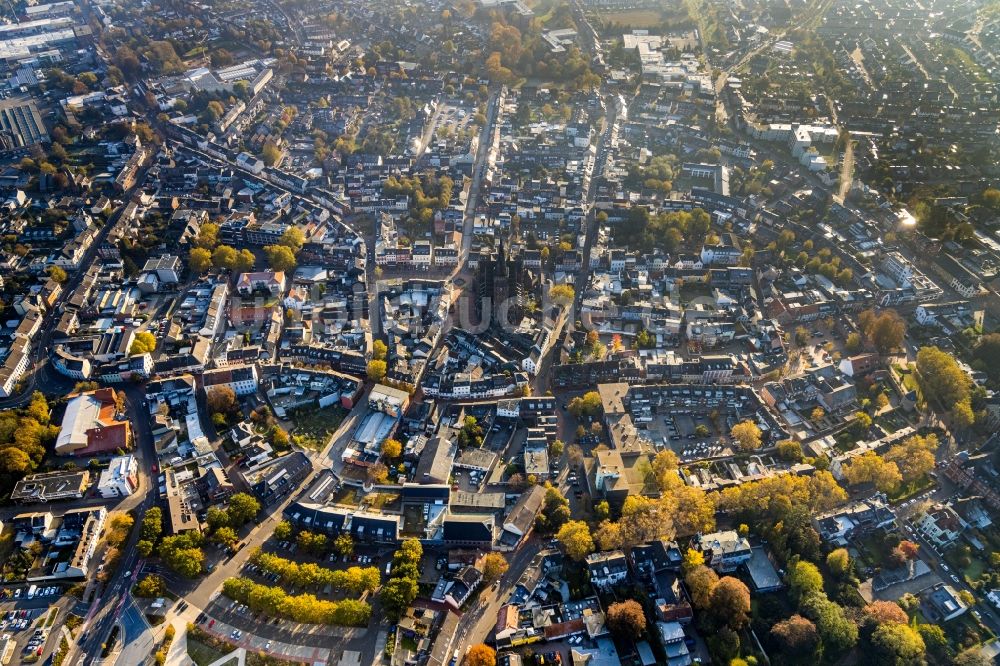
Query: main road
{"x": 113, "y": 598}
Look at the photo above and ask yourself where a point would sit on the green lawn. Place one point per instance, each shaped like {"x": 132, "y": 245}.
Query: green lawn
{"x": 908, "y": 490}
{"x": 316, "y": 425}
{"x": 974, "y": 570}
{"x": 634, "y": 18}
{"x": 202, "y": 654}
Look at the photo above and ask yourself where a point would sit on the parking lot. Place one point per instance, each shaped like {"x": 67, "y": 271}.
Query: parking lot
{"x": 693, "y": 432}
{"x": 29, "y": 615}
{"x": 455, "y": 118}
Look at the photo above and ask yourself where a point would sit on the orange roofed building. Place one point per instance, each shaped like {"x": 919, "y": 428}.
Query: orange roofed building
{"x": 89, "y": 426}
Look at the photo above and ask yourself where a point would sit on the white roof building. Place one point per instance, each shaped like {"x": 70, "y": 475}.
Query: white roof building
{"x": 121, "y": 478}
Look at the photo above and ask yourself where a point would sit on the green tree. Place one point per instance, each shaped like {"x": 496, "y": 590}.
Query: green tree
{"x": 152, "y": 524}
{"x": 804, "y": 579}
{"x": 225, "y": 536}
{"x": 397, "y": 594}
{"x": 839, "y": 562}
{"x": 242, "y": 508}
{"x": 839, "y": 633}
{"x": 150, "y": 586}
{"x": 283, "y": 530}
{"x": 183, "y": 554}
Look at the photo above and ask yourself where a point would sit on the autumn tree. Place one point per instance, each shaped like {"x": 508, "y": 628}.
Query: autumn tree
{"x": 293, "y": 238}
{"x": 701, "y": 582}
{"x": 222, "y": 400}
{"x": 224, "y": 257}
{"x": 494, "y": 566}
{"x": 343, "y": 544}
{"x": 480, "y": 655}
{"x": 270, "y": 153}
{"x": 909, "y": 549}
{"x": 376, "y": 370}
{"x": 576, "y": 540}
{"x": 144, "y": 342}
{"x": 898, "y": 644}
{"x": 730, "y": 603}
{"x": 626, "y": 619}
{"x": 692, "y": 560}
{"x": 914, "y": 456}
{"x": 872, "y": 468}
{"x": 245, "y": 261}
{"x": 200, "y": 260}
{"x": 57, "y": 274}
{"x": 883, "y": 330}
{"x": 150, "y": 586}
{"x": 790, "y": 450}
{"x": 280, "y": 258}
{"x": 881, "y": 612}
{"x": 608, "y": 535}
{"x": 644, "y": 519}
{"x": 391, "y": 448}
{"x": 747, "y": 435}
{"x": 796, "y": 636}
{"x": 562, "y": 294}
{"x": 943, "y": 381}
{"x": 588, "y": 404}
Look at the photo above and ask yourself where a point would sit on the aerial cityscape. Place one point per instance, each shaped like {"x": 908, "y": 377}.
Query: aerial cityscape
{"x": 500, "y": 332}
